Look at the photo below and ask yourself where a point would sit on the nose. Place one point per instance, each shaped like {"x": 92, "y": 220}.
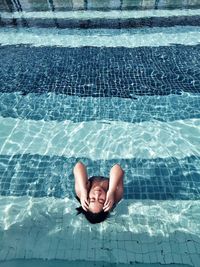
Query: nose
{"x": 97, "y": 192}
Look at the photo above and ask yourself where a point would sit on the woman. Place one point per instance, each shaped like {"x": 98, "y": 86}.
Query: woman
{"x": 98, "y": 195}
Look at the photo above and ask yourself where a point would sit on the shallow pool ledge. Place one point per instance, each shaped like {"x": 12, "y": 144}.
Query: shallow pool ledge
{"x": 61, "y": 263}
{"x": 138, "y": 231}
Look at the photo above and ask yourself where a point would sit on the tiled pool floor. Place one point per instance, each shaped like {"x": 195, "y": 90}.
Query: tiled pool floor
{"x": 102, "y": 96}
{"x": 60, "y": 263}
{"x": 139, "y": 231}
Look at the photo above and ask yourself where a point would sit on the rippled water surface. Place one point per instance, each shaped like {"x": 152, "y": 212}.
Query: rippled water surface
{"x": 78, "y": 83}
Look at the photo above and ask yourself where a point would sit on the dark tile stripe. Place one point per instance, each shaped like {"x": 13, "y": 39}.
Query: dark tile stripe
{"x": 41, "y": 176}
{"x": 118, "y": 23}
{"x": 100, "y": 71}
{"x": 58, "y": 107}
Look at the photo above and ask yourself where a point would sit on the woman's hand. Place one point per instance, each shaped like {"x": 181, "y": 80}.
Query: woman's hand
{"x": 84, "y": 200}
{"x": 109, "y": 201}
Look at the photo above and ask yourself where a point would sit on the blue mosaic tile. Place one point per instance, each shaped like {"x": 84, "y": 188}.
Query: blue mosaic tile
{"x": 95, "y": 23}
{"x": 41, "y": 176}
{"x": 99, "y": 71}
{"x": 58, "y": 107}
{"x": 13, "y": 6}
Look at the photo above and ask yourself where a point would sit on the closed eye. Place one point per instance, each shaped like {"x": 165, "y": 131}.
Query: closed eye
{"x": 101, "y": 201}
{"x": 92, "y": 200}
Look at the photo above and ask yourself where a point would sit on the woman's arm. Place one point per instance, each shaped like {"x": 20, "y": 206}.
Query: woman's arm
{"x": 116, "y": 182}
{"x": 119, "y": 191}
{"x": 116, "y": 188}
{"x": 81, "y": 184}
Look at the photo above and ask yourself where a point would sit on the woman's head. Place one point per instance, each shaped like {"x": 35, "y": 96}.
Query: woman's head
{"x": 96, "y": 199}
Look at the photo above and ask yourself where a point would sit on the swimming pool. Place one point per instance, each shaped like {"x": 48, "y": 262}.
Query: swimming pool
{"x": 102, "y": 82}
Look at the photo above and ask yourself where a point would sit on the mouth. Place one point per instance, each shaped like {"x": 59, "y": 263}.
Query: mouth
{"x": 98, "y": 190}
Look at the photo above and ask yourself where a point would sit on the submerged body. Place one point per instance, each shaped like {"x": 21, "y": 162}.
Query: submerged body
{"x": 98, "y": 194}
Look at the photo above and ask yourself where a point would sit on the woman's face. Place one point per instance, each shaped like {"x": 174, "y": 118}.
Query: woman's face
{"x": 97, "y": 198}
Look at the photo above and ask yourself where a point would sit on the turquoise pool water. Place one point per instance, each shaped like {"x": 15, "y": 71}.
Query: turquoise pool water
{"x": 60, "y": 263}
{"x": 104, "y": 84}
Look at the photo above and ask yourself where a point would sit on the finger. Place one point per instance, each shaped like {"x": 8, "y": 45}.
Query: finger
{"x": 84, "y": 207}
{"x": 86, "y": 202}
{"x": 110, "y": 206}
{"x": 106, "y": 202}
{"x": 106, "y": 206}
{"x": 107, "y": 209}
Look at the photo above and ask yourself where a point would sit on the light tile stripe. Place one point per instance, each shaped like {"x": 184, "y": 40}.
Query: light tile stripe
{"x": 99, "y": 38}
{"x": 47, "y": 107}
{"x": 188, "y": 35}
{"x": 163, "y": 232}
{"x": 114, "y": 14}
{"x": 101, "y": 139}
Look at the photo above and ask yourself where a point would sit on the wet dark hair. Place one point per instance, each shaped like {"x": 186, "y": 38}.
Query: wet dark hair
{"x": 93, "y": 217}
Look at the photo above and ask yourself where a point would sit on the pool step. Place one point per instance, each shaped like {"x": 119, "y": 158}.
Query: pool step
{"x": 98, "y": 19}
{"x": 165, "y": 232}
{"x": 73, "y": 5}
{"x": 111, "y": 139}
{"x": 158, "y": 178}
{"x": 58, "y": 107}
{"x": 75, "y": 263}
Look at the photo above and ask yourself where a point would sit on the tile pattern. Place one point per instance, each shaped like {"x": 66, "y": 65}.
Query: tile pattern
{"x": 100, "y": 72}
{"x": 58, "y": 107}
{"x": 60, "y": 5}
{"x": 40, "y": 222}
{"x": 101, "y": 22}
{"x": 58, "y": 234}
{"x": 158, "y": 179}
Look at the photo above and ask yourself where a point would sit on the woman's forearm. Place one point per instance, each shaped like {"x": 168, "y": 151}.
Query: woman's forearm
{"x": 81, "y": 178}
{"x": 113, "y": 183}
{"x": 116, "y": 176}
